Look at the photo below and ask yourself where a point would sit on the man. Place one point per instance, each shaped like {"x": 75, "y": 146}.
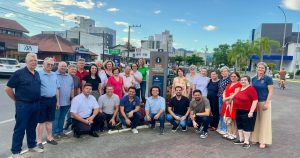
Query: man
{"x": 72, "y": 69}
{"x": 100, "y": 66}
{"x": 49, "y": 101}
{"x": 129, "y": 108}
{"x": 282, "y": 74}
{"x": 27, "y": 85}
{"x": 155, "y": 109}
{"x": 200, "y": 113}
{"x": 109, "y": 108}
{"x": 66, "y": 92}
{"x": 178, "y": 110}
{"x": 81, "y": 72}
{"x": 85, "y": 113}
{"x": 128, "y": 79}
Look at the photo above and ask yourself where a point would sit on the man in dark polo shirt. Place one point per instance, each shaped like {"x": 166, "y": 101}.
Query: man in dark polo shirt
{"x": 27, "y": 85}
{"x": 178, "y": 110}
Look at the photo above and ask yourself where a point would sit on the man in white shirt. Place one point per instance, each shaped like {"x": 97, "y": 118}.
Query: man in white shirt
{"x": 85, "y": 113}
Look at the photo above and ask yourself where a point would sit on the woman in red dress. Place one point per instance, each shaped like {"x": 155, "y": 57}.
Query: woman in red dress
{"x": 228, "y": 108}
{"x": 117, "y": 82}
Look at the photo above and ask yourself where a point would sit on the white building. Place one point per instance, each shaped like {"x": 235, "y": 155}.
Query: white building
{"x": 293, "y": 50}
{"x": 159, "y": 41}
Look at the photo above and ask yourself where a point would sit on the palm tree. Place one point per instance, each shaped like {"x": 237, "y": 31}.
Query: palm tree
{"x": 264, "y": 45}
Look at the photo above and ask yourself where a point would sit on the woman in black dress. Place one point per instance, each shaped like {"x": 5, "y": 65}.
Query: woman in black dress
{"x": 212, "y": 96}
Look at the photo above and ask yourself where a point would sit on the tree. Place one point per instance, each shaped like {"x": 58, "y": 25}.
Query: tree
{"x": 178, "y": 59}
{"x": 264, "y": 45}
{"x": 220, "y": 55}
{"x": 196, "y": 60}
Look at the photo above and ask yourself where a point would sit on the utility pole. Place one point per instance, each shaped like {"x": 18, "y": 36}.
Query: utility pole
{"x": 283, "y": 41}
{"x": 103, "y": 39}
{"x": 128, "y": 43}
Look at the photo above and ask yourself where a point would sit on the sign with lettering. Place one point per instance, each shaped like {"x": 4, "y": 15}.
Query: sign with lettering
{"x": 27, "y": 48}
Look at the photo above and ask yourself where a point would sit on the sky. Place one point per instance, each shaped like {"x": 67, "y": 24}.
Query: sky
{"x": 194, "y": 24}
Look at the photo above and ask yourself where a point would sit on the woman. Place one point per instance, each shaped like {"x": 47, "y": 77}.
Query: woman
{"x": 228, "y": 109}
{"x": 191, "y": 77}
{"x": 263, "y": 125}
{"x": 93, "y": 79}
{"x": 117, "y": 82}
{"x": 212, "y": 96}
{"x": 181, "y": 81}
{"x": 245, "y": 102}
{"x": 106, "y": 73}
{"x": 201, "y": 82}
{"x": 143, "y": 70}
{"x": 138, "y": 78}
{"x": 222, "y": 85}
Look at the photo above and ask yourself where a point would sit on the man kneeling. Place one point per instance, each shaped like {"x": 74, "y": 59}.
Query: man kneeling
{"x": 85, "y": 113}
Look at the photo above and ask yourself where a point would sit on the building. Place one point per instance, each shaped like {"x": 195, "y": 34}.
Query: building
{"x": 273, "y": 31}
{"x": 14, "y": 43}
{"x": 162, "y": 41}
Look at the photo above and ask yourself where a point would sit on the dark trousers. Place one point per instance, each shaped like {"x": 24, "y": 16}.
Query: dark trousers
{"x": 214, "y": 105}
{"x": 143, "y": 91}
{"x": 203, "y": 120}
{"x": 134, "y": 120}
{"x": 138, "y": 93}
{"x": 82, "y": 128}
{"x": 107, "y": 118}
{"x": 161, "y": 120}
{"x": 26, "y": 120}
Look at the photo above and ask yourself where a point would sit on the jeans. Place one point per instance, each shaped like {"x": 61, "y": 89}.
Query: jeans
{"x": 69, "y": 119}
{"x": 134, "y": 120}
{"x": 204, "y": 120}
{"x": 222, "y": 126}
{"x": 174, "y": 122}
{"x": 26, "y": 120}
{"x": 152, "y": 121}
{"x": 138, "y": 93}
{"x": 143, "y": 91}
{"x": 58, "y": 123}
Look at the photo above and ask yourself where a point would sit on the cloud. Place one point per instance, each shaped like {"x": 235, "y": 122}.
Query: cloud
{"x": 113, "y": 10}
{"x": 291, "y": 4}
{"x": 121, "y": 23}
{"x": 209, "y": 28}
{"x": 9, "y": 15}
{"x": 55, "y": 8}
{"x": 101, "y": 4}
{"x": 133, "y": 41}
{"x": 157, "y": 12}
{"x": 180, "y": 20}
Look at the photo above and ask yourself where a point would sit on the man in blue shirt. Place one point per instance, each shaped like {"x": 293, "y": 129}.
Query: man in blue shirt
{"x": 155, "y": 109}
{"x": 27, "y": 83}
{"x": 49, "y": 101}
{"x": 129, "y": 108}
{"x": 66, "y": 92}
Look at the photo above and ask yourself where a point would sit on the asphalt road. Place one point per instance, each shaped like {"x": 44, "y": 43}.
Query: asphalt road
{"x": 285, "y": 115}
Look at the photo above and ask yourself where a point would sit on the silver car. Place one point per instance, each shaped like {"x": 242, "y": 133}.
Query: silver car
{"x": 8, "y": 66}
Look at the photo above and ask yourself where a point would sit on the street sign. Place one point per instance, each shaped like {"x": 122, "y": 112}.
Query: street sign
{"x": 114, "y": 51}
{"x": 27, "y": 48}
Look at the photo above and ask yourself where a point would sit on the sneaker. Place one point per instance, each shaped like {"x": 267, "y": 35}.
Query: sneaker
{"x": 53, "y": 142}
{"x": 16, "y": 156}
{"x": 135, "y": 131}
{"x": 197, "y": 131}
{"x": 40, "y": 145}
{"x": 183, "y": 129}
{"x": 56, "y": 137}
{"x": 161, "y": 131}
{"x": 124, "y": 127}
{"x": 174, "y": 128}
{"x": 237, "y": 141}
{"x": 246, "y": 146}
{"x": 221, "y": 132}
{"x": 67, "y": 125}
{"x": 203, "y": 135}
{"x": 36, "y": 149}
{"x": 93, "y": 134}
{"x": 230, "y": 137}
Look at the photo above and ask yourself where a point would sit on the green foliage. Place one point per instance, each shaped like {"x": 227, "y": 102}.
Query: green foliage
{"x": 264, "y": 46}
{"x": 194, "y": 60}
{"x": 178, "y": 59}
{"x": 220, "y": 54}
{"x": 271, "y": 65}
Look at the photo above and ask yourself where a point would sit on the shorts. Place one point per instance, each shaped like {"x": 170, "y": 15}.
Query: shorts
{"x": 47, "y": 109}
{"x": 243, "y": 122}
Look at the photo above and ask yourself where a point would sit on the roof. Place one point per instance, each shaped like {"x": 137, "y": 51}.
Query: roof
{"x": 92, "y": 53}
{"x": 12, "y": 25}
{"x": 53, "y": 43}
{"x": 11, "y": 42}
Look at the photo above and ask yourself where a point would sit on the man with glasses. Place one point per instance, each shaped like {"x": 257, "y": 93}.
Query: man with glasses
{"x": 49, "y": 101}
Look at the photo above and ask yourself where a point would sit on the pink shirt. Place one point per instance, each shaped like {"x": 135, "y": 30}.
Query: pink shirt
{"x": 117, "y": 85}
{"x": 128, "y": 80}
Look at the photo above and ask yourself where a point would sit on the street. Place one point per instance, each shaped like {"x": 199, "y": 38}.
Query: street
{"x": 148, "y": 143}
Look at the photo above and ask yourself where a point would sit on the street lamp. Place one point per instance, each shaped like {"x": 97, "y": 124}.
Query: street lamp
{"x": 283, "y": 41}
{"x": 128, "y": 47}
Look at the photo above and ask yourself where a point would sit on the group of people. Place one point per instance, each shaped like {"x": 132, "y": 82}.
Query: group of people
{"x": 103, "y": 98}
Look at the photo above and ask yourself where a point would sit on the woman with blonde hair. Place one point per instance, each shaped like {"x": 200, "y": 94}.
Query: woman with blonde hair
{"x": 263, "y": 126}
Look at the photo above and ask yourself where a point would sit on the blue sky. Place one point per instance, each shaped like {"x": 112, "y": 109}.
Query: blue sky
{"x": 193, "y": 23}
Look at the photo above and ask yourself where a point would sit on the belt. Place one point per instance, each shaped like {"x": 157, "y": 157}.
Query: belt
{"x": 47, "y": 97}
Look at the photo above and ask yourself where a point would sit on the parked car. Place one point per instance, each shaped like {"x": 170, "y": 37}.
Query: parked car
{"x": 8, "y": 66}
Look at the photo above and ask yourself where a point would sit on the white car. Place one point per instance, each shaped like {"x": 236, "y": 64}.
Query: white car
{"x": 8, "y": 66}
